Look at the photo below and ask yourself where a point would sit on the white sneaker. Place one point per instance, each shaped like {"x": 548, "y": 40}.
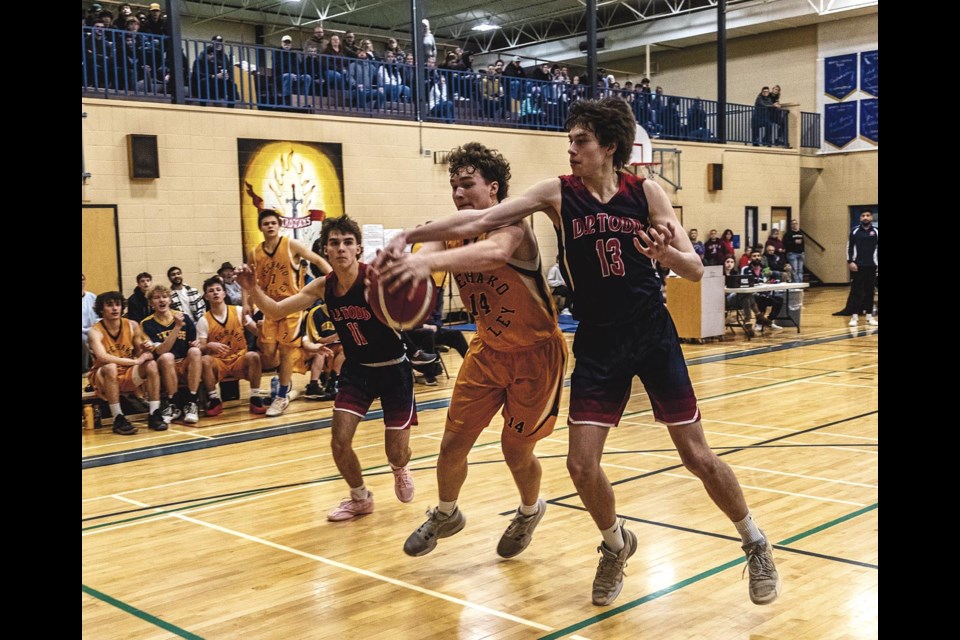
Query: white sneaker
{"x": 757, "y": 328}
{"x": 293, "y": 394}
{"x": 853, "y": 320}
{"x": 775, "y": 327}
{"x": 278, "y": 406}
{"x": 191, "y": 413}
{"x": 872, "y": 322}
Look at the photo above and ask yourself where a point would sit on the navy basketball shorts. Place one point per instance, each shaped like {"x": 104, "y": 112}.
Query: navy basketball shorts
{"x": 607, "y": 358}
{"x": 393, "y": 384}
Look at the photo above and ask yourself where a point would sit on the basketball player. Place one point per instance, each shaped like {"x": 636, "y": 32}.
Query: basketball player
{"x": 173, "y": 337}
{"x": 516, "y": 361}
{"x": 612, "y": 228}
{"x": 376, "y": 363}
{"x": 276, "y": 262}
{"x": 224, "y": 345}
{"x": 320, "y": 333}
{"x": 117, "y": 368}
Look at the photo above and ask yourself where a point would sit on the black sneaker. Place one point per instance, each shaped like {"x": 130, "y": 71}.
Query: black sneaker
{"x": 313, "y": 391}
{"x": 430, "y": 381}
{"x": 421, "y": 358}
{"x": 330, "y": 391}
{"x": 122, "y": 426}
{"x": 156, "y": 421}
{"x": 170, "y": 412}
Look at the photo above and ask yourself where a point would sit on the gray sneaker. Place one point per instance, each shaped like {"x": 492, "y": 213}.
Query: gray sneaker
{"x": 170, "y": 412}
{"x": 764, "y": 579}
{"x": 609, "y": 580}
{"x": 438, "y": 525}
{"x": 520, "y": 531}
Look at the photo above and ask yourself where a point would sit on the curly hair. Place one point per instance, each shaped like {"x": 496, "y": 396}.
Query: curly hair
{"x": 475, "y": 157}
{"x": 611, "y": 121}
{"x": 159, "y": 290}
{"x": 344, "y": 224}
{"x": 104, "y": 298}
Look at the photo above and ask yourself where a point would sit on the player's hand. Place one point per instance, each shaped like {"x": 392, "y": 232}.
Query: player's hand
{"x": 324, "y": 351}
{"x": 178, "y": 319}
{"x": 146, "y": 356}
{"x": 853, "y": 267}
{"x": 394, "y": 250}
{"x": 405, "y": 271}
{"x": 246, "y": 277}
{"x": 657, "y": 238}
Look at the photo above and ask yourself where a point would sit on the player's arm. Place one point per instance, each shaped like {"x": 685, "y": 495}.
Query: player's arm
{"x": 95, "y": 342}
{"x": 493, "y": 251}
{"x": 271, "y": 308}
{"x": 543, "y": 196}
{"x": 301, "y": 250}
{"x": 665, "y": 240}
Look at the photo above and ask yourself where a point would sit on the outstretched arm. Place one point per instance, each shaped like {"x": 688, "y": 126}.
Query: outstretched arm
{"x": 271, "y": 308}
{"x": 665, "y": 240}
{"x": 302, "y": 251}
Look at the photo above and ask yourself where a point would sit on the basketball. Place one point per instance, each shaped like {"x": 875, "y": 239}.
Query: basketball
{"x": 394, "y": 309}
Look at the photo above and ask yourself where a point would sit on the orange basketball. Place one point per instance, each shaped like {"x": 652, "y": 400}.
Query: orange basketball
{"x": 394, "y": 309}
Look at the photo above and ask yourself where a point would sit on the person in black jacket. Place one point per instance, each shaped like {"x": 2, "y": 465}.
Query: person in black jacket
{"x": 863, "y": 262}
{"x": 138, "y": 307}
{"x": 761, "y": 118}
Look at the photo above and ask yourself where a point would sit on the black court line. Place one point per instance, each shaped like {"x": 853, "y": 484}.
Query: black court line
{"x": 209, "y": 442}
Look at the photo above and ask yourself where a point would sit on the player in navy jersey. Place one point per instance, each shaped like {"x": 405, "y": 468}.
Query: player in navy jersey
{"x": 612, "y": 227}
{"x": 376, "y": 365}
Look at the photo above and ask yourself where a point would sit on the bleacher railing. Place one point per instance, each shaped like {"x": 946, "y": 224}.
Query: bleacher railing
{"x": 809, "y": 130}
{"x": 135, "y": 65}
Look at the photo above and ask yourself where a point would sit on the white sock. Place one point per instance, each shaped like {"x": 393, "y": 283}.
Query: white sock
{"x": 254, "y": 392}
{"x": 213, "y": 395}
{"x": 447, "y": 508}
{"x": 613, "y": 537}
{"x": 529, "y": 510}
{"x": 153, "y": 404}
{"x": 115, "y": 410}
{"x": 396, "y": 468}
{"x": 748, "y": 530}
{"x": 360, "y": 493}
{"x": 854, "y": 318}
{"x": 869, "y": 317}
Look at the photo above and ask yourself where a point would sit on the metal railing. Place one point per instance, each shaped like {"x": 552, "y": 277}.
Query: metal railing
{"x": 135, "y": 65}
{"x": 809, "y": 130}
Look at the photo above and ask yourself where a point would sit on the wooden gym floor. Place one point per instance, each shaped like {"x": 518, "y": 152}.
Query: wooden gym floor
{"x": 220, "y": 531}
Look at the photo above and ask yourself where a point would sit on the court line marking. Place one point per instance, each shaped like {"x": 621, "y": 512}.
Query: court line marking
{"x": 138, "y": 613}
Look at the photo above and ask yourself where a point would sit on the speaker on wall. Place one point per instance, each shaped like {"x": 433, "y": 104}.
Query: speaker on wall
{"x": 714, "y": 177}
{"x": 142, "y": 155}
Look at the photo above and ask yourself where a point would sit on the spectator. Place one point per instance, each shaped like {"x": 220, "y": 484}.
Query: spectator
{"x": 531, "y": 109}
{"x": 761, "y": 118}
{"x": 429, "y": 42}
{"x": 394, "y": 47}
{"x": 336, "y": 64}
{"x": 727, "y": 240}
{"x": 184, "y": 297}
{"x": 138, "y": 307}
{"x": 558, "y": 287}
{"x": 747, "y": 251}
{"x": 231, "y": 288}
{"x": 361, "y": 76}
{"x": 156, "y": 22}
{"x": 778, "y": 117}
{"x": 697, "y": 121}
{"x": 313, "y": 67}
{"x": 317, "y": 39}
{"x": 367, "y": 46}
{"x": 350, "y": 44}
{"x": 713, "y": 251}
{"x": 764, "y": 301}
{"x": 745, "y": 302}
{"x": 321, "y": 333}
{"x": 491, "y": 93}
{"x": 697, "y": 245}
{"x": 779, "y": 267}
{"x": 390, "y": 80}
{"x": 288, "y": 65}
{"x": 88, "y": 317}
{"x": 211, "y": 81}
{"x": 440, "y": 106}
{"x": 774, "y": 239}
{"x": 99, "y": 54}
{"x": 124, "y": 13}
{"x": 793, "y": 242}
{"x": 514, "y": 85}
{"x": 863, "y": 246}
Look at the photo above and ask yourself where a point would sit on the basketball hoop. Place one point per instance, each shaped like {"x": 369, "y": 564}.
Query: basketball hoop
{"x": 648, "y": 168}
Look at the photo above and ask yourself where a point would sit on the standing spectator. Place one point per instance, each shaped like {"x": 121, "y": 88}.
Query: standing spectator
{"x": 429, "y": 43}
{"x": 88, "y": 317}
{"x": 156, "y": 22}
{"x": 514, "y": 85}
{"x": 863, "y": 261}
{"x": 318, "y": 39}
{"x": 361, "y": 74}
{"x": 713, "y": 253}
{"x": 697, "y": 121}
{"x": 727, "y": 240}
{"x": 336, "y": 64}
{"x": 138, "y": 307}
{"x": 437, "y": 100}
{"x": 793, "y": 246}
{"x": 697, "y": 245}
{"x": 234, "y": 294}
{"x": 559, "y": 289}
{"x": 778, "y": 117}
{"x": 761, "y": 118}
{"x": 211, "y": 81}
{"x": 774, "y": 240}
{"x": 183, "y": 297}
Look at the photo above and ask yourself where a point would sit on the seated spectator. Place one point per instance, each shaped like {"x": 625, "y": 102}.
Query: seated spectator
{"x": 697, "y": 122}
{"x": 491, "y": 93}
{"x": 761, "y": 118}
{"x": 319, "y": 340}
{"x": 231, "y": 287}
{"x": 779, "y": 268}
{"x": 350, "y": 44}
{"x": 313, "y": 67}
{"x": 289, "y": 67}
{"x": 774, "y": 240}
{"x": 747, "y": 252}
{"x": 99, "y": 56}
{"x": 697, "y": 245}
{"x": 172, "y": 338}
{"x": 745, "y": 302}
{"x": 317, "y": 39}
{"x": 670, "y": 118}
{"x": 390, "y": 80}
{"x": 138, "y": 307}
{"x": 184, "y": 297}
{"x": 367, "y": 46}
{"x": 220, "y": 337}
{"x": 562, "y": 295}
{"x": 211, "y": 81}
{"x": 440, "y": 106}
{"x": 361, "y": 75}
{"x": 88, "y": 318}
{"x": 772, "y": 301}
{"x": 713, "y": 251}
{"x": 335, "y": 62}
{"x": 121, "y": 365}
{"x": 531, "y": 109}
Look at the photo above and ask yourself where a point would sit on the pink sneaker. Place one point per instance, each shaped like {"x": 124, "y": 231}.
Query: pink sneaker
{"x": 403, "y": 484}
{"x": 350, "y": 508}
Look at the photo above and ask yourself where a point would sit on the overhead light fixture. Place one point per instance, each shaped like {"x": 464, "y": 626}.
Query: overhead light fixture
{"x": 486, "y": 25}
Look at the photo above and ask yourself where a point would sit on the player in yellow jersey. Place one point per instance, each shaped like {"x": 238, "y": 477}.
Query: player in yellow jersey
{"x": 224, "y": 346}
{"x": 516, "y": 361}
{"x": 121, "y": 364}
{"x": 276, "y": 265}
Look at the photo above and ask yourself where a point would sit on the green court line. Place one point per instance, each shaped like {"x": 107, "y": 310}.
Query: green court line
{"x": 139, "y": 613}
{"x": 559, "y": 633}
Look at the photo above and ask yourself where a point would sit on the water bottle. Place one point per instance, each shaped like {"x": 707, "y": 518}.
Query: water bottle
{"x": 274, "y": 387}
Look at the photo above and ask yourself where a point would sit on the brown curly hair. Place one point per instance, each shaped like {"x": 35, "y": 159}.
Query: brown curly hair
{"x": 474, "y": 156}
{"x": 611, "y": 121}
{"x": 344, "y": 224}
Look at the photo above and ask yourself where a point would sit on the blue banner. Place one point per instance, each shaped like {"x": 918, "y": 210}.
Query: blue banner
{"x": 870, "y": 120}
{"x": 870, "y": 73}
{"x": 840, "y": 123}
{"x": 840, "y": 75}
